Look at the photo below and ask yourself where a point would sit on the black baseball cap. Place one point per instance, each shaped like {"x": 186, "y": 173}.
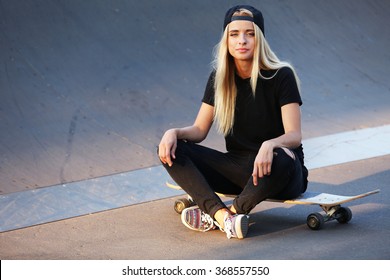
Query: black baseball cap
{"x": 257, "y": 16}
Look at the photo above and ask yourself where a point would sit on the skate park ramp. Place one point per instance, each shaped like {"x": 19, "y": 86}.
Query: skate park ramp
{"x": 87, "y": 88}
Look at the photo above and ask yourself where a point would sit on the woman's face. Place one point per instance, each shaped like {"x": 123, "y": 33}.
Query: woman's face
{"x": 241, "y": 40}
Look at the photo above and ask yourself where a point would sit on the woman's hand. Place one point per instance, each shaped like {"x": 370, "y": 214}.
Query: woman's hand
{"x": 263, "y": 161}
{"x": 195, "y": 133}
{"x": 167, "y": 147}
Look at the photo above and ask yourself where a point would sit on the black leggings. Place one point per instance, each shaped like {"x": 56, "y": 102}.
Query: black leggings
{"x": 201, "y": 171}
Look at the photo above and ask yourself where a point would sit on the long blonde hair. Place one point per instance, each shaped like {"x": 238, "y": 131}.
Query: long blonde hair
{"x": 224, "y": 84}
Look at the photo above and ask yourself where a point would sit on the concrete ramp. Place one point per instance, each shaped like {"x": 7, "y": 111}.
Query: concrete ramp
{"x": 88, "y": 87}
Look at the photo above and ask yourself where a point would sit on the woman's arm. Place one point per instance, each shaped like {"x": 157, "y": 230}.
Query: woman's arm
{"x": 194, "y": 133}
{"x": 291, "y": 117}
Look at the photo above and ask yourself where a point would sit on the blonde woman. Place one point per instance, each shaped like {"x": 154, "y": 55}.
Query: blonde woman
{"x": 254, "y": 100}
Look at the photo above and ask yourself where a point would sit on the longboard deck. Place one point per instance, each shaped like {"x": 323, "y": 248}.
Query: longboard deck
{"x": 326, "y": 199}
{"x": 308, "y": 198}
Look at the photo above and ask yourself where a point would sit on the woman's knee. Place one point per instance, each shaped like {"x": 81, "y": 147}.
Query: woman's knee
{"x": 283, "y": 163}
{"x": 288, "y": 152}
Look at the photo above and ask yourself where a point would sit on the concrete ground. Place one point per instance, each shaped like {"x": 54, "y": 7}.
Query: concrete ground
{"x": 153, "y": 230}
{"x": 88, "y": 87}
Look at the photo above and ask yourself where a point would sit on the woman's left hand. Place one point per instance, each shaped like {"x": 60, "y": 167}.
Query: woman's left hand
{"x": 263, "y": 161}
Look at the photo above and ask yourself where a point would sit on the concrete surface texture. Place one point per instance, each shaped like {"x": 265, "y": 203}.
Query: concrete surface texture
{"x": 88, "y": 87}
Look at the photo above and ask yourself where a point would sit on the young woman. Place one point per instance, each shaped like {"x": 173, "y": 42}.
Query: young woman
{"x": 254, "y": 100}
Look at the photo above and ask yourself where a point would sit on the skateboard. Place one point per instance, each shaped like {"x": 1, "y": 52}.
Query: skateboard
{"x": 330, "y": 204}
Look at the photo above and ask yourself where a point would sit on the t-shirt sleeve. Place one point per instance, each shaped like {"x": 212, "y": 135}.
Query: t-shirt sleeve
{"x": 208, "y": 96}
{"x": 288, "y": 91}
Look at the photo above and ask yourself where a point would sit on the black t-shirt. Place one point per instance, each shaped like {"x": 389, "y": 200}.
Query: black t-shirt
{"x": 258, "y": 118}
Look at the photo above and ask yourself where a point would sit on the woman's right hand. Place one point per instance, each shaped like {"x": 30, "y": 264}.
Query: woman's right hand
{"x": 167, "y": 147}
{"x": 195, "y": 133}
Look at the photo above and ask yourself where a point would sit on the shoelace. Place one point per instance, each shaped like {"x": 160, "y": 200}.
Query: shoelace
{"x": 228, "y": 227}
{"x": 206, "y": 218}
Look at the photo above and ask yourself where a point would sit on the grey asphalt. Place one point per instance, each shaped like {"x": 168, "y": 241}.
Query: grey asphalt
{"x": 88, "y": 87}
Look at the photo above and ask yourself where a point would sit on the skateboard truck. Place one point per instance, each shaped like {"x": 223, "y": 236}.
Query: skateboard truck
{"x": 343, "y": 215}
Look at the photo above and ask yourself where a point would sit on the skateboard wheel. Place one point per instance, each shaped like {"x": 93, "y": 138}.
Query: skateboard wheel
{"x": 315, "y": 221}
{"x": 344, "y": 215}
{"x": 181, "y": 204}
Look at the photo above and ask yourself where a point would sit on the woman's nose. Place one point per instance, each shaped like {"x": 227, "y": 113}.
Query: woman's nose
{"x": 242, "y": 39}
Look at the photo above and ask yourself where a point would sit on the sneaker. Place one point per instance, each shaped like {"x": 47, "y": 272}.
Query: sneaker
{"x": 196, "y": 219}
{"x": 236, "y": 226}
